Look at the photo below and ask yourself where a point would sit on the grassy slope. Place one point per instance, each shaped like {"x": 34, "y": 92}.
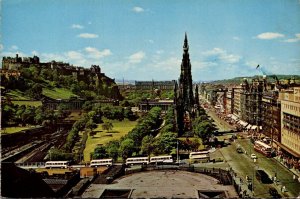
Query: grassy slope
{"x": 10, "y": 130}
{"x": 17, "y": 95}
{"x": 28, "y": 103}
{"x": 120, "y": 128}
{"x": 58, "y": 93}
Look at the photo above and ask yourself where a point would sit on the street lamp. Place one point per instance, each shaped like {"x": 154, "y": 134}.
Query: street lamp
{"x": 255, "y": 167}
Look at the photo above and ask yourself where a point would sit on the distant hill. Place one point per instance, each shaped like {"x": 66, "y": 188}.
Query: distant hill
{"x": 270, "y": 78}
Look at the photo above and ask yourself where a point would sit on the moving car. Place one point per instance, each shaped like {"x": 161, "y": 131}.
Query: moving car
{"x": 253, "y": 156}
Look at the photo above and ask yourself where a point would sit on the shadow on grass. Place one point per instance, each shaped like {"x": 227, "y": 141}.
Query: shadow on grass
{"x": 113, "y": 132}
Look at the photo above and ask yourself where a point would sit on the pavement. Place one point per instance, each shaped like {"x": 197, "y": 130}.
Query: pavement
{"x": 162, "y": 184}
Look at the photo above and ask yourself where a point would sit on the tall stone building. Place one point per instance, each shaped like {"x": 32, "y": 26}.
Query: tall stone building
{"x": 184, "y": 95}
{"x": 290, "y": 121}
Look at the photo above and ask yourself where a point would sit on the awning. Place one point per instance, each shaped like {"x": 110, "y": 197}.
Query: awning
{"x": 243, "y": 123}
{"x": 254, "y": 127}
{"x": 290, "y": 151}
{"x": 234, "y": 117}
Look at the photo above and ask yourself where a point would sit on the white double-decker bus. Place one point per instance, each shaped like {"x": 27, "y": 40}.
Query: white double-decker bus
{"x": 202, "y": 156}
{"x": 102, "y": 162}
{"x": 161, "y": 159}
{"x": 137, "y": 160}
{"x": 263, "y": 148}
{"x": 57, "y": 164}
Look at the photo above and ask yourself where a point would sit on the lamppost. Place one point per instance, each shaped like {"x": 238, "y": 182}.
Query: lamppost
{"x": 177, "y": 153}
{"x": 255, "y": 167}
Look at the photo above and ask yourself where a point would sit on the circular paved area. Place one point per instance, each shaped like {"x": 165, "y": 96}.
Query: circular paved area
{"x": 167, "y": 184}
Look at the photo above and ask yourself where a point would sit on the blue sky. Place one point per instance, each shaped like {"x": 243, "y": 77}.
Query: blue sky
{"x": 142, "y": 39}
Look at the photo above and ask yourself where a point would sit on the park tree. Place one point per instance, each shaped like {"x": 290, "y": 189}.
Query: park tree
{"x": 147, "y": 145}
{"x": 203, "y": 129}
{"x": 127, "y": 147}
{"x": 7, "y": 114}
{"x": 39, "y": 115}
{"x": 100, "y": 153}
{"x": 58, "y": 154}
{"x": 107, "y": 126}
{"x": 166, "y": 142}
{"x": 90, "y": 125}
{"x": 112, "y": 149}
{"x": 36, "y": 91}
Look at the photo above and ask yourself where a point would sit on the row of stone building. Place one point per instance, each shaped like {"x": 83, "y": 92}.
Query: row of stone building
{"x": 270, "y": 109}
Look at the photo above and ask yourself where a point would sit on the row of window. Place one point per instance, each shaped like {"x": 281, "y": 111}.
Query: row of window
{"x": 291, "y": 107}
{"x": 292, "y": 143}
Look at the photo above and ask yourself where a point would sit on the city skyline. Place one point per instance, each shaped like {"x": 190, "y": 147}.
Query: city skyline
{"x": 142, "y": 40}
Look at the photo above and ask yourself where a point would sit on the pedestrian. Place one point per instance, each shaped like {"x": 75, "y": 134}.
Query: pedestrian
{"x": 294, "y": 177}
{"x": 283, "y": 189}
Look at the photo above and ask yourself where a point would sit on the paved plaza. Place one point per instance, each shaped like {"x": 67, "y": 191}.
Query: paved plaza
{"x": 162, "y": 184}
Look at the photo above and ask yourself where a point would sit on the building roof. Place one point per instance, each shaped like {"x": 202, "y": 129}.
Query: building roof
{"x": 20, "y": 183}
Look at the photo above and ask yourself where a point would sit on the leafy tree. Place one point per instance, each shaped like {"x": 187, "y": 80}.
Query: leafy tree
{"x": 112, "y": 149}
{"x": 100, "y": 153}
{"x": 87, "y": 106}
{"x": 127, "y": 147}
{"x": 203, "y": 129}
{"x": 58, "y": 154}
{"x": 166, "y": 142}
{"x": 147, "y": 145}
{"x": 39, "y": 115}
{"x": 36, "y": 91}
{"x": 107, "y": 126}
{"x": 90, "y": 124}
{"x": 7, "y": 114}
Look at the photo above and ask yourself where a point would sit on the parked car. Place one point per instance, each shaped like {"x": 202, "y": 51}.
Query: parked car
{"x": 253, "y": 156}
{"x": 274, "y": 193}
{"x": 239, "y": 150}
{"x": 263, "y": 177}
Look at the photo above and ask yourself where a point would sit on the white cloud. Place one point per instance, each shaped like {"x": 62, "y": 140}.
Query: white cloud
{"x": 96, "y": 54}
{"x": 88, "y": 35}
{"x": 74, "y": 55}
{"x": 77, "y": 26}
{"x": 270, "y": 35}
{"x": 89, "y": 22}
{"x": 218, "y": 54}
{"x": 296, "y": 39}
{"x": 160, "y": 52}
{"x": 84, "y": 57}
{"x": 34, "y": 52}
{"x": 137, "y": 9}
{"x": 13, "y": 48}
{"x": 150, "y": 41}
{"x": 236, "y": 38}
{"x": 1, "y": 47}
{"x": 136, "y": 57}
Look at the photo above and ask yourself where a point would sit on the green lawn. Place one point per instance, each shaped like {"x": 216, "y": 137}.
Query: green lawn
{"x": 10, "y": 130}
{"x": 28, "y": 103}
{"x": 17, "y": 95}
{"x": 120, "y": 128}
{"x": 58, "y": 93}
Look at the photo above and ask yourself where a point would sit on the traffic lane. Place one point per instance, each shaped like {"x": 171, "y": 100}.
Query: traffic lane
{"x": 244, "y": 166}
{"x": 272, "y": 168}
